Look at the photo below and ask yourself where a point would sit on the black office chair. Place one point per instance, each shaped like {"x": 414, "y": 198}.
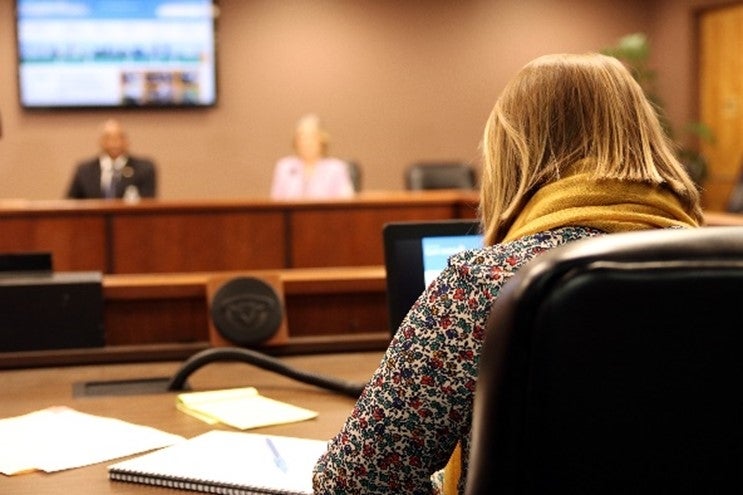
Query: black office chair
{"x": 735, "y": 200}
{"x": 444, "y": 175}
{"x": 615, "y": 365}
{"x": 354, "y": 170}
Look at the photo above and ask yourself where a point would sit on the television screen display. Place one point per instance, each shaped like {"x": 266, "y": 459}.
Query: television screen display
{"x": 116, "y": 53}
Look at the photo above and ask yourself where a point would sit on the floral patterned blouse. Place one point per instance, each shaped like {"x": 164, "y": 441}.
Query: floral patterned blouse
{"x": 418, "y": 403}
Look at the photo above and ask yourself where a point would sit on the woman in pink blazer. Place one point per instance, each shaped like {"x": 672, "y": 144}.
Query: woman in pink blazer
{"x": 310, "y": 173}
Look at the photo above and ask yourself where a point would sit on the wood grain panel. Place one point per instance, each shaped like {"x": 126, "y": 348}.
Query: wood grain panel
{"x": 338, "y": 315}
{"x": 77, "y": 242}
{"x": 154, "y": 236}
{"x": 178, "y": 320}
{"x": 351, "y": 236}
{"x": 197, "y": 241}
{"x": 721, "y": 98}
{"x": 173, "y": 308}
{"x": 720, "y": 219}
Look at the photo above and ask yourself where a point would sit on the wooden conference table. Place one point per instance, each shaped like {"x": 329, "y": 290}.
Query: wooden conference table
{"x": 173, "y": 236}
{"x": 24, "y": 391}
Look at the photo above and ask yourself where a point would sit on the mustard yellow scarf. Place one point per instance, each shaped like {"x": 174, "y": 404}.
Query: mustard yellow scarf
{"x": 606, "y": 204}
{"x": 581, "y": 200}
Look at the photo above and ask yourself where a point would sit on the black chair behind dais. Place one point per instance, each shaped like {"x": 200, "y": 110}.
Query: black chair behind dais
{"x": 444, "y": 175}
{"x": 735, "y": 199}
{"x": 356, "y": 174}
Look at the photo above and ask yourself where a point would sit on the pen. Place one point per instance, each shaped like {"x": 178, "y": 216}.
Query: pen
{"x": 277, "y": 459}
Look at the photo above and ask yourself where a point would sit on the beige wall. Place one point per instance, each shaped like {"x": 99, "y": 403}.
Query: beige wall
{"x": 395, "y": 81}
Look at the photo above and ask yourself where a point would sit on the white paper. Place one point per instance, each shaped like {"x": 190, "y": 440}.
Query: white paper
{"x": 60, "y": 438}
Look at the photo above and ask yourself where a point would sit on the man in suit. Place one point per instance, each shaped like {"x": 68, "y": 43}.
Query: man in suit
{"x": 114, "y": 173}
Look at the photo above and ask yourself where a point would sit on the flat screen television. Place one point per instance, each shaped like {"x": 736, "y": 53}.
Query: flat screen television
{"x": 116, "y": 53}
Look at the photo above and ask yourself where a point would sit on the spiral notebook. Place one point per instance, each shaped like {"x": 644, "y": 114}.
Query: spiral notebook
{"x": 227, "y": 462}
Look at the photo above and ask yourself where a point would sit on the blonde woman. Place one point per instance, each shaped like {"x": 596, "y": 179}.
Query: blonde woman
{"x": 572, "y": 149}
{"x": 310, "y": 172}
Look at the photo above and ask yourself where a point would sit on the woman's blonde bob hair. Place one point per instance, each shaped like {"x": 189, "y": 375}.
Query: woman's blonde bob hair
{"x": 559, "y": 110}
{"x": 311, "y": 123}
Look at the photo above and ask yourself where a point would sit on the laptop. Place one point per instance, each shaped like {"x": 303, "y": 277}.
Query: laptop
{"x": 415, "y": 253}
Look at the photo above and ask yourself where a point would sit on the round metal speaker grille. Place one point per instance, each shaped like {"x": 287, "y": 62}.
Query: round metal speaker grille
{"x": 246, "y": 311}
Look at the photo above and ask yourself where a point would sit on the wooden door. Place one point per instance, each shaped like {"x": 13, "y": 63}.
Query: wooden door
{"x": 721, "y": 98}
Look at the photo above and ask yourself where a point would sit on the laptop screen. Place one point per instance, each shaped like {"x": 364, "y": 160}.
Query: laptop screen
{"x": 415, "y": 253}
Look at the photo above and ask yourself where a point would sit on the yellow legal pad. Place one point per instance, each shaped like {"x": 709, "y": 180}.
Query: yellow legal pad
{"x": 242, "y": 408}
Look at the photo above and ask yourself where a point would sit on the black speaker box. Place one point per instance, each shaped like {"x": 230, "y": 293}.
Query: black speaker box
{"x": 25, "y": 262}
{"x": 40, "y": 311}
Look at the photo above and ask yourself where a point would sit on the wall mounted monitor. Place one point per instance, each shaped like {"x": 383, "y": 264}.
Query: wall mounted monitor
{"x": 116, "y": 53}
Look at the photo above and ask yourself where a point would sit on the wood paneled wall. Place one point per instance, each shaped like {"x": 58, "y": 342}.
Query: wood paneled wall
{"x": 721, "y": 98}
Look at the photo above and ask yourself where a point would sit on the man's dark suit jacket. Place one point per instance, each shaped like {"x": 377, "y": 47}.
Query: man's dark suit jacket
{"x": 138, "y": 172}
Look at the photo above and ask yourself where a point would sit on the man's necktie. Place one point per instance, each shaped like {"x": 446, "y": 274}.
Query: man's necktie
{"x": 110, "y": 190}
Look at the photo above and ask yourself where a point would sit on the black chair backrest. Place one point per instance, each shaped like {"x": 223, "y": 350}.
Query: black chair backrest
{"x": 615, "y": 365}
{"x": 735, "y": 199}
{"x": 355, "y": 172}
{"x": 444, "y": 175}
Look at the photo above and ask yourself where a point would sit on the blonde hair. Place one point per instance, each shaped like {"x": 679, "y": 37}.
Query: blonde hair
{"x": 312, "y": 123}
{"x": 562, "y": 109}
